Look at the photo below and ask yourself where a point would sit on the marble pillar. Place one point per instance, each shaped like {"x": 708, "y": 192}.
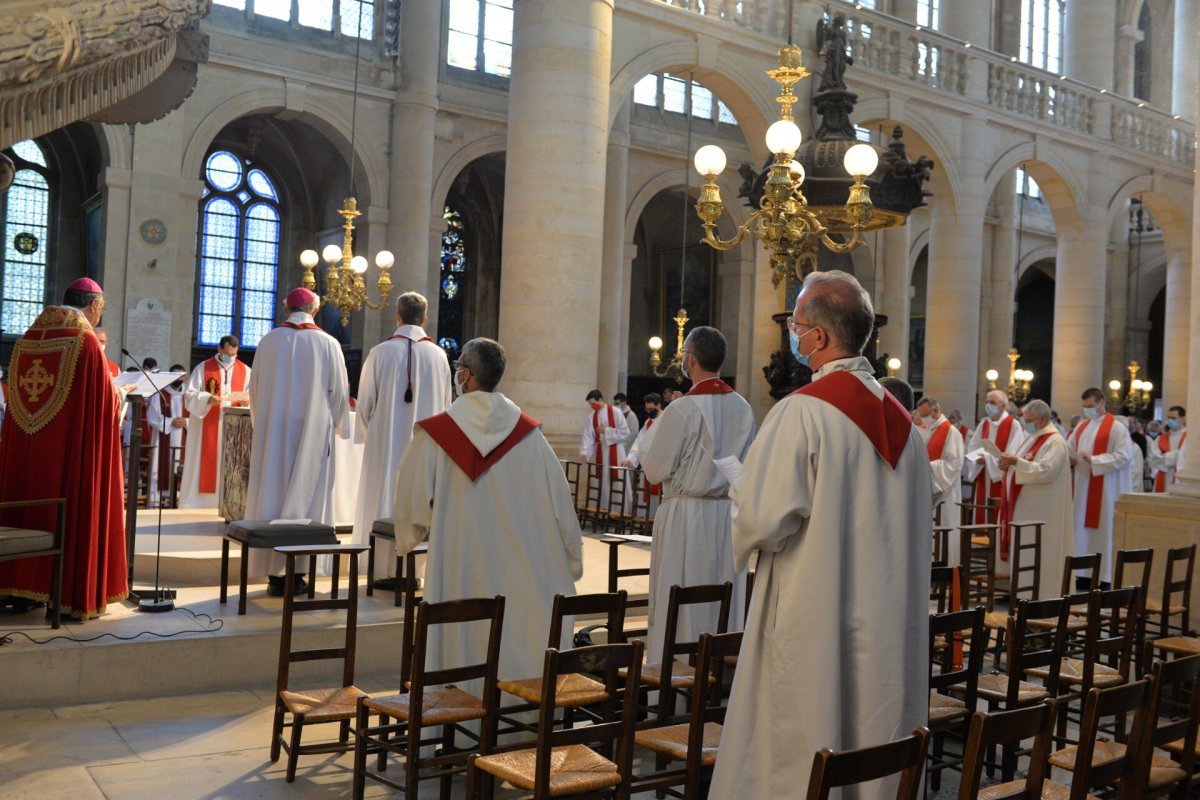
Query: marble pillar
{"x": 1116, "y": 344}
{"x": 1183, "y": 65}
{"x": 1088, "y": 33}
{"x": 1079, "y": 289}
{"x": 614, "y": 279}
{"x": 1003, "y": 292}
{"x": 554, "y": 198}
{"x": 1127, "y": 38}
{"x": 1188, "y": 479}
{"x": 1175, "y": 340}
{"x": 969, "y": 21}
{"x": 891, "y": 295}
{"x": 410, "y": 190}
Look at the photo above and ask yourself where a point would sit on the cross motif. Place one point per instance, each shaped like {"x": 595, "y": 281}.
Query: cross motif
{"x": 36, "y": 380}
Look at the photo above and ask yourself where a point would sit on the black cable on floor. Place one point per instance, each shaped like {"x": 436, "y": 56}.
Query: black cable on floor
{"x": 212, "y": 626}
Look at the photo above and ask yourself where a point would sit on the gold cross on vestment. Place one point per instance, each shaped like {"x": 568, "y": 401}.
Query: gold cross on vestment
{"x": 36, "y": 380}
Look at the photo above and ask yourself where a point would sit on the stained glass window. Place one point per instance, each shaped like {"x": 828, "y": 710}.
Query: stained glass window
{"x": 479, "y": 36}
{"x": 238, "y": 254}
{"x": 454, "y": 266}
{"x": 24, "y": 226}
{"x": 1041, "y": 33}
{"x": 670, "y": 93}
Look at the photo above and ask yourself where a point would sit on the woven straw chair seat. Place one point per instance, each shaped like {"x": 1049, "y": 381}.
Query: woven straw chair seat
{"x": 574, "y": 769}
{"x": 440, "y": 705}
{"x": 673, "y": 741}
{"x": 1074, "y": 624}
{"x": 1175, "y": 748}
{"x": 1155, "y": 606}
{"x": 323, "y": 705}
{"x": 1051, "y": 790}
{"x": 730, "y": 661}
{"x": 1071, "y": 673}
{"x": 572, "y": 691}
{"x": 994, "y": 686}
{"x": 943, "y": 709}
{"x": 1104, "y": 753}
{"x": 682, "y": 675}
{"x": 996, "y": 620}
{"x": 1179, "y": 645}
{"x": 1164, "y": 772}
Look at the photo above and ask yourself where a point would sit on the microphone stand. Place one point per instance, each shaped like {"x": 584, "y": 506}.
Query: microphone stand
{"x": 160, "y": 603}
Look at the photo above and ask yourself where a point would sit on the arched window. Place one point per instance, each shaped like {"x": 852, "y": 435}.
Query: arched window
{"x": 24, "y": 229}
{"x": 670, "y": 93}
{"x": 453, "y": 277}
{"x": 237, "y": 251}
{"x": 1041, "y": 33}
{"x": 479, "y": 38}
{"x": 1141, "y": 56}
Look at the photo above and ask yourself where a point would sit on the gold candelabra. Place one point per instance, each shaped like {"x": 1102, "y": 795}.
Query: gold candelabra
{"x": 1140, "y": 394}
{"x": 674, "y": 368}
{"x": 1019, "y": 380}
{"x": 346, "y": 289}
{"x": 789, "y": 230}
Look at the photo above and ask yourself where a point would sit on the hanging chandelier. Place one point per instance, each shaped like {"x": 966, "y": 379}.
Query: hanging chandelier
{"x": 674, "y": 367}
{"x": 1019, "y": 380}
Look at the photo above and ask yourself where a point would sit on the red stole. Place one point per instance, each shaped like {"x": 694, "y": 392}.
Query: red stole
{"x": 303, "y": 326}
{"x": 881, "y": 419}
{"x": 985, "y": 489}
{"x": 937, "y": 442}
{"x": 447, "y": 435}
{"x": 1164, "y": 446}
{"x": 1095, "y": 489}
{"x": 612, "y": 448}
{"x": 408, "y": 393}
{"x": 113, "y": 368}
{"x": 711, "y": 386}
{"x": 210, "y": 429}
{"x": 1012, "y": 492}
{"x": 165, "y": 461}
{"x": 649, "y": 488}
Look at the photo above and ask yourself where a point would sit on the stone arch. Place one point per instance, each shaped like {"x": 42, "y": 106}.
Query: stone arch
{"x": 1045, "y": 252}
{"x": 735, "y": 214}
{"x": 918, "y": 243}
{"x": 740, "y": 87}
{"x": 1060, "y": 188}
{"x": 458, "y": 161}
{"x": 1168, "y": 211}
{"x": 319, "y": 113}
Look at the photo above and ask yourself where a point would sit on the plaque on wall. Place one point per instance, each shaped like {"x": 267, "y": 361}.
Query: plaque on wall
{"x": 148, "y": 331}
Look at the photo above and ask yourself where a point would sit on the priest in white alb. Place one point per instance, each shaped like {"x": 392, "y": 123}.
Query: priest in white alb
{"x": 836, "y": 498}
{"x": 299, "y": 401}
{"x": 1037, "y": 487}
{"x": 944, "y": 446}
{"x": 651, "y": 492}
{"x": 218, "y": 382}
{"x": 486, "y": 486}
{"x": 1099, "y": 449}
{"x": 1162, "y": 455}
{"x": 699, "y": 443}
{"x": 983, "y": 469}
{"x": 404, "y": 379}
{"x": 603, "y": 443}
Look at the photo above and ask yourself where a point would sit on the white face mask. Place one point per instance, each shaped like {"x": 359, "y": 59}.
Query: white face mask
{"x": 992, "y": 410}
{"x": 224, "y": 359}
{"x": 1091, "y": 413}
{"x": 460, "y": 383}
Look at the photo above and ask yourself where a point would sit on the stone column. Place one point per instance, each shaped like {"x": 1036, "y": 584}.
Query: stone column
{"x": 615, "y": 305}
{"x": 891, "y": 296}
{"x": 410, "y": 190}
{"x": 1127, "y": 38}
{"x": 1188, "y": 479}
{"x": 955, "y": 281}
{"x": 1081, "y": 259}
{"x": 1183, "y": 70}
{"x": 554, "y": 203}
{"x": 968, "y": 21}
{"x": 1089, "y": 31}
{"x": 1175, "y": 342}
{"x": 1003, "y": 291}
{"x": 1117, "y": 320}
{"x": 907, "y": 11}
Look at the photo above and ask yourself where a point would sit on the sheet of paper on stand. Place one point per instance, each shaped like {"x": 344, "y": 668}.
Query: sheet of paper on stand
{"x": 161, "y": 379}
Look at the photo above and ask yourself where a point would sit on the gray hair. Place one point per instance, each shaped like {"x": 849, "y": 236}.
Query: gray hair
{"x": 1039, "y": 408}
{"x": 412, "y": 308}
{"x": 485, "y": 358}
{"x": 839, "y": 304}
{"x": 932, "y": 402}
{"x": 708, "y": 346}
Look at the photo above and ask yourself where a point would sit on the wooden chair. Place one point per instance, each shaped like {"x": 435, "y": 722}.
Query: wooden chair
{"x": 616, "y": 505}
{"x": 905, "y": 757}
{"x": 1132, "y": 568}
{"x": 382, "y": 529}
{"x": 315, "y": 706}
{"x": 1097, "y": 762}
{"x": 562, "y": 764}
{"x": 265, "y": 535}
{"x": 1025, "y": 577}
{"x": 593, "y": 503}
{"x": 1176, "y": 735}
{"x": 670, "y": 675}
{"x": 977, "y": 553}
{"x": 573, "y": 472}
{"x": 1009, "y": 729}
{"x": 639, "y": 520}
{"x": 941, "y": 587}
{"x": 433, "y": 700}
{"x": 575, "y": 690}
{"x": 696, "y": 741}
{"x": 1087, "y": 561}
{"x": 616, "y": 573}
{"x": 947, "y": 634}
{"x": 409, "y": 595}
{"x": 18, "y": 543}
{"x": 985, "y": 513}
{"x": 1176, "y": 600}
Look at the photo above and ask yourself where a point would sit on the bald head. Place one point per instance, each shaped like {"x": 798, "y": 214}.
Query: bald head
{"x": 839, "y": 310}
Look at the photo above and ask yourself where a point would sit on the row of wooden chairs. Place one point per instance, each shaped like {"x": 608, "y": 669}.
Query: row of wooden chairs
{"x": 622, "y": 504}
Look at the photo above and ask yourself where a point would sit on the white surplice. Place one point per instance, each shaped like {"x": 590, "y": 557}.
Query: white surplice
{"x": 160, "y": 423}
{"x": 631, "y": 421}
{"x": 1045, "y": 494}
{"x": 512, "y": 532}
{"x": 836, "y": 650}
{"x": 597, "y": 452}
{"x": 299, "y": 401}
{"x": 990, "y": 430}
{"x": 693, "y": 540}
{"x": 385, "y": 424}
{"x": 1115, "y": 465}
{"x": 947, "y": 472}
{"x": 197, "y": 399}
{"x": 1168, "y": 462}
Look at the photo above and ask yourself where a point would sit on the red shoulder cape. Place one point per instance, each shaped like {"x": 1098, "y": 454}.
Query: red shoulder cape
{"x": 445, "y": 432}
{"x": 881, "y": 419}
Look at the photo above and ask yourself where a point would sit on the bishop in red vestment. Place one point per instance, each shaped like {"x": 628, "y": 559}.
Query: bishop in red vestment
{"x": 63, "y": 417}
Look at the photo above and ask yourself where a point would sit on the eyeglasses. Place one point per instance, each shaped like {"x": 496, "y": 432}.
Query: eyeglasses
{"x": 794, "y": 325}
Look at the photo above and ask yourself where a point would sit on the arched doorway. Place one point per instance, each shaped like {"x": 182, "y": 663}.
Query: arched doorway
{"x": 1033, "y": 328}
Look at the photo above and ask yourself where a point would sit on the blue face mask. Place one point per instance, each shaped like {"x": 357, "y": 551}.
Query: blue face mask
{"x": 1172, "y": 424}
{"x": 992, "y": 410}
{"x": 800, "y": 357}
{"x": 1091, "y": 413}
{"x": 1030, "y": 427}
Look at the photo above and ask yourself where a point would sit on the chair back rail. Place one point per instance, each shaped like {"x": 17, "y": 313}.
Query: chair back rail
{"x": 1009, "y": 728}
{"x": 905, "y": 757}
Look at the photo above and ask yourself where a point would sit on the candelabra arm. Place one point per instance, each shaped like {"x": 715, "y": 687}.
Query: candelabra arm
{"x": 843, "y": 247}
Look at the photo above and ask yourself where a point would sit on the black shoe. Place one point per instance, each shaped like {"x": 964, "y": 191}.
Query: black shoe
{"x": 20, "y": 605}
{"x": 387, "y": 584}
{"x": 275, "y": 585}
{"x": 301, "y": 585}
